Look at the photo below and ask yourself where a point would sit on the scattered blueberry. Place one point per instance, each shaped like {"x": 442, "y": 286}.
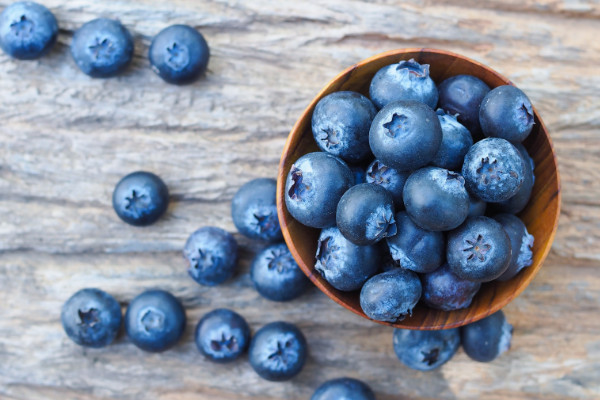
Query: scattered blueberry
{"x": 407, "y": 80}
{"x": 388, "y": 178}
{"x": 276, "y": 275}
{"x": 140, "y": 198}
{"x": 278, "y": 351}
{"x": 179, "y": 54}
{"x": 102, "y": 48}
{"x": 506, "y": 113}
{"x": 445, "y": 291}
{"x": 518, "y": 202}
{"x": 415, "y": 248}
{"x": 365, "y": 214}
{"x": 27, "y": 30}
{"x": 487, "y": 338}
{"x": 390, "y": 296}
{"x": 222, "y": 335}
{"x": 313, "y": 187}
{"x": 493, "y": 170}
{"x": 456, "y": 141}
{"x": 212, "y": 255}
{"x": 91, "y": 318}
{"x": 359, "y": 173}
{"x": 462, "y": 95}
{"x": 405, "y": 135}
{"x": 479, "y": 250}
{"x": 155, "y": 320}
{"x": 477, "y": 207}
{"x": 425, "y": 350}
{"x": 436, "y": 199}
{"x": 343, "y": 389}
{"x": 340, "y": 125}
{"x": 343, "y": 264}
{"x": 254, "y": 210}
{"x": 520, "y": 242}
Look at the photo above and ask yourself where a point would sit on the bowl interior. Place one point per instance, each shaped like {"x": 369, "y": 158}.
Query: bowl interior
{"x": 540, "y": 216}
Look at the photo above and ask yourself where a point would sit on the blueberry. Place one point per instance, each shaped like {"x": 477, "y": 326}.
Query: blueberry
{"x": 91, "y": 318}
{"x": 222, "y": 335}
{"x": 254, "y": 210}
{"x": 405, "y": 135}
{"x": 155, "y": 320}
{"x": 479, "y": 250}
{"x": 477, "y": 207}
{"x": 506, "y": 113}
{"x": 445, "y": 291}
{"x": 415, "y": 248}
{"x": 140, "y": 198}
{"x": 343, "y": 264}
{"x": 390, "y": 296}
{"x": 493, "y": 170}
{"x": 179, "y": 54}
{"x": 359, "y": 174}
{"x": 407, "y": 80}
{"x": 275, "y": 274}
{"x": 102, "y": 48}
{"x": 343, "y": 389}
{"x": 462, "y": 95}
{"x": 519, "y": 201}
{"x": 456, "y": 141}
{"x": 278, "y": 351}
{"x": 212, "y": 254}
{"x": 365, "y": 214}
{"x": 436, "y": 199}
{"x": 520, "y": 242}
{"x": 487, "y": 338}
{"x": 340, "y": 125}
{"x": 314, "y": 187}
{"x": 388, "y": 178}
{"x": 425, "y": 350}
{"x": 27, "y": 30}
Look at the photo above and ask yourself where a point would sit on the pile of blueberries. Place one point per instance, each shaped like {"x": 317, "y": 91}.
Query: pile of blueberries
{"x": 103, "y": 47}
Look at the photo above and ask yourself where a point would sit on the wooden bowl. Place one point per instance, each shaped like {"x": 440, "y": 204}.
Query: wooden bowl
{"x": 540, "y": 216}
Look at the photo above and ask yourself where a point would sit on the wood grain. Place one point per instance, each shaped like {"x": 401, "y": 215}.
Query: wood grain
{"x": 66, "y": 139}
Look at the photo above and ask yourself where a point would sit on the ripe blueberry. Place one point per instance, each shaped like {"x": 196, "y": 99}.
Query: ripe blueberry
{"x": 520, "y": 242}
{"x": 445, "y": 291}
{"x": 140, "y": 198}
{"x": 477, "y": 206}
{"x": 456, "y": 141}
{"x": 519, "y": 201}
{"x": 359, "y": 174}
{"x": 222, "y": 335}
{"x": 343, "y": 389}
{"x": 212, "y": 255}
{"x": 506, "y": 113}
{"x": 254, "y": 210}
{"x": 390, "y": 296}
{"x": 487, "y": 338}
{"x": 425, "y": 350}
{"x": 388, "y": 178}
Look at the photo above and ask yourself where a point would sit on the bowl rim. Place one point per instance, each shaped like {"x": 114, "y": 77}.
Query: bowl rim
{"x": 294, "y": 136}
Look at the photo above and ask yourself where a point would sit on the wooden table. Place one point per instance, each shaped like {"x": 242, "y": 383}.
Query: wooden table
{"x": 66, "y": 139}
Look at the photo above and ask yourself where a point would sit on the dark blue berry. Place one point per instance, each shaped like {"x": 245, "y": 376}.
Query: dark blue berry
{"x": 276, "y": 275}
{"x": 407, "y": 80}
{"x": 425, "y": 350}
{"x": 405, "y": 135}
{"x": 278, "y": 351}
{"x": 388, "y": 178}
{"x": 340, "y": 125}
{"x": 506, "y": 113}
{"x": 91, "y": 318}
{"x": 222, "y": 335}
{"x": 445, "y": 291}
{"x": 462, "y": 95}
{"x": 436, "y": 199}
{"x": 102, "y": 48}
{"x": 390, "y": 296}
{"x": 479, "y": 250}
{"x": 456, "y": 141}
{"x": 519, "y": 201}
{"x": 212, "y": 254}
{"x": 314, "y": 186}
{"x": 415, "y": 248}
{"x": 254, "y": 210}
{"x": 359, "y": 173}
{"x": 179, "y": 54}
{"x": 365, "y": 214}
{"x": 343, "y": 264}
{"x": 155, "y": 320}
{"x": 343, "y": 389}
{"x": 27, "y": 30}
{"x": 140, "y": 198}
{"x": 493, "y": 170}
{"x": 521, "y": 243}
{"x": 487, "y": 338}
{"x": 477, "y": 206}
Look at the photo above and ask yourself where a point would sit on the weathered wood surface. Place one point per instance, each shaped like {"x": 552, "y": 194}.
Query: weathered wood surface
{"x": 66, "y": 139}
